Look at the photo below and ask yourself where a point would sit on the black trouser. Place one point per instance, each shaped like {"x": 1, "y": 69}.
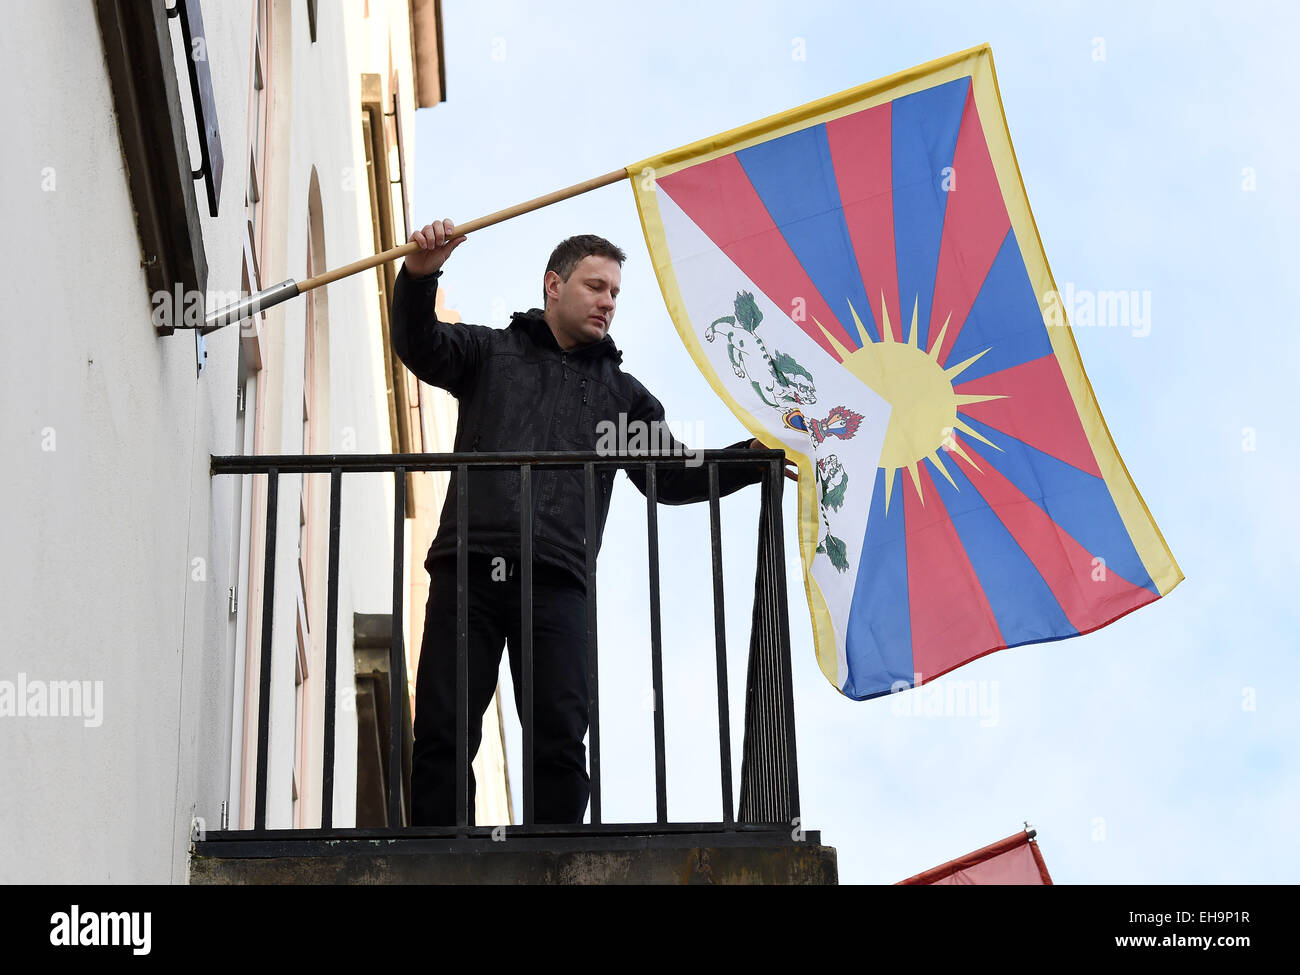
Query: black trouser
{"x": 560, "y": 783}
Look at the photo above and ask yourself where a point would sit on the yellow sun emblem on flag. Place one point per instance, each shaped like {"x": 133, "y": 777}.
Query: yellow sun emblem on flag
{"x": 920, "y": 393}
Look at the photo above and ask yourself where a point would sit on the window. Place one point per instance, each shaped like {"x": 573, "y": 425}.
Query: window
{"x": 304, "y": 694}
{"x": 255, "y": 385}
{"x": 259, "y": 102}
{"x": 147, "y": 96}
{"x": 376, "y": 133}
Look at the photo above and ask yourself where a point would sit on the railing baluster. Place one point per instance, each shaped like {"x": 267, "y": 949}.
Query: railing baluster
{"x": 776, "y": 810}
{"x": 526, "y": 629}
{"x": 462, "y": 646}
{"x": 656, "y": 641}
{"x": 264, "y": 681}
{"x": 593, "y": 685}
{"x": 781, "y": 610}
{"x": 769, "y": 778}
{"x": 767, "y": 805}
{"x": 720, "y": 645}
{"x": 331, "y": 648}
{"x": 772, "y": 688}
{"x": 755, "y": 773}
{"x": 397, "y": 655}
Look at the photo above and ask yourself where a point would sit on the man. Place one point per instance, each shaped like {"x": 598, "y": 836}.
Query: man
{"x": 545, "y": 382}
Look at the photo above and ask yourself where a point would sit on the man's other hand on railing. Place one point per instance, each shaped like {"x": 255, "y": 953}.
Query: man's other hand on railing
{"x": 791, "y": 468}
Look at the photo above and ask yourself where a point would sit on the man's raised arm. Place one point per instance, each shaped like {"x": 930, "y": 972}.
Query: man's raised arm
{"x": 442, "y": 354}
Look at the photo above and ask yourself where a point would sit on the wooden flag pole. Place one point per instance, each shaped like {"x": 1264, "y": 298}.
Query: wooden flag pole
{"x": 285, "y": 290}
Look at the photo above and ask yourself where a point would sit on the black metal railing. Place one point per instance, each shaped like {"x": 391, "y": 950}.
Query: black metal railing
{"x": 769, "y": 794}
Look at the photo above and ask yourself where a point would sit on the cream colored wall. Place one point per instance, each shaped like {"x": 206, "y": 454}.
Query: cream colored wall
{"x": 374, "y": 49}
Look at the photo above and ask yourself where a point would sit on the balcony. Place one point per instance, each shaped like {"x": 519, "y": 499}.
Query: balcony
{"x": 760, "y": 838}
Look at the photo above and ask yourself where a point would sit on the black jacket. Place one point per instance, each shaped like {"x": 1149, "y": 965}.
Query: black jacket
{"x": 519, "y": 391}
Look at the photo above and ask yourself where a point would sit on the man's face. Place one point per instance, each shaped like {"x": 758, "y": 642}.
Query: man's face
{"x": 581, "y": 309}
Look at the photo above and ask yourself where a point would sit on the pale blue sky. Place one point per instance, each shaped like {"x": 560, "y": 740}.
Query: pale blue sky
{"x": 1133, "y": 750}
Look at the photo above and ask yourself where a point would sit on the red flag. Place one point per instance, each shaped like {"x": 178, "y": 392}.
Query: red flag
{"x": 1013, "y": 861}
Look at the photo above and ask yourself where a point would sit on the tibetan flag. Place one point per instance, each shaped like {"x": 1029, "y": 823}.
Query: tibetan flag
{"x": 861, "y": 281}
{"x": 1013, "y": 861}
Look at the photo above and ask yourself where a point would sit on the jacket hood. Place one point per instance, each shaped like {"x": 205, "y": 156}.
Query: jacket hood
{"x": 533, "y": 324}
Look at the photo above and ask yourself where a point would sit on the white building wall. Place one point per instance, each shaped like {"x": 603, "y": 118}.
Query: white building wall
{"x": 117, "y": 539}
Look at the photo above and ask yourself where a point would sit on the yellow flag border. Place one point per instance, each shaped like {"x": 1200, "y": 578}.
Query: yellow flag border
{"x": 977, "y": 63}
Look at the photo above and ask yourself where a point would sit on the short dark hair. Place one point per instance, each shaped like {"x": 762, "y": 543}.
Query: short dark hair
{"x": 569, "y": 252}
